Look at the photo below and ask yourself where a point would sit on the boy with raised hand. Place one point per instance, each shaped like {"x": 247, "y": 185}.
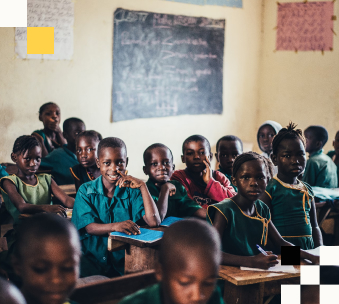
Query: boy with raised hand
{"x": 188, "y": 267}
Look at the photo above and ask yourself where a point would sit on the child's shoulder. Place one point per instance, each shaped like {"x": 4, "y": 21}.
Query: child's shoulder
{"x": 179, "y": 173}
{"x": 44, "y": 177}
{"x": 13, "y": 178}
{"x": 148, "y": 295}
{"x": 261, "y": 207}
{"x": 331, "y": 153}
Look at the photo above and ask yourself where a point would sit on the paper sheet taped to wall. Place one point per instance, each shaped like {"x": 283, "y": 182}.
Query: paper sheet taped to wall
{"x": 305, "y": 26}
{"x": 48, "y": 13}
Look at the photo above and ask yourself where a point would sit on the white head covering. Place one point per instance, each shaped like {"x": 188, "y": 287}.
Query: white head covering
{"x": 275, "y": 125}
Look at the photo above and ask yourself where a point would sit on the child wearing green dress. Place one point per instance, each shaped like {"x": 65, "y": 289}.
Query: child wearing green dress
{"x": 245, "y": 221}
{"x": 86, "y": 151}
{"x": 228, "y": 148}
{"x": 50, "y": 137}
{"x": 290, "y": 200}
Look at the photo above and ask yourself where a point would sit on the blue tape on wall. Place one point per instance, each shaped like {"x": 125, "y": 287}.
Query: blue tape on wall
{"x": 232, "y": 3}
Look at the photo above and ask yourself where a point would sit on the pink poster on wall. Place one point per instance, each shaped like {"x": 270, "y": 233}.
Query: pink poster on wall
{"x": 305, "y": 26}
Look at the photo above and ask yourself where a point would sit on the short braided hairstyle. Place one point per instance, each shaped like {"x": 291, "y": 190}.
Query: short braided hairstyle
{"x": 290, "y": 132}
{"x": 248, "y": 156}
{"x": 25, "y": 143}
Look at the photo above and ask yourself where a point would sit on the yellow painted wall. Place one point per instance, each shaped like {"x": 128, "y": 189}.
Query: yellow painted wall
{"x": 82, "y": 87}
{"x": 301, "y": 87}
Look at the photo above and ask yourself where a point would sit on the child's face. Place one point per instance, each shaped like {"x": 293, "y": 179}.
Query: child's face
{"x": 195, "y": 152}
{"x": 290, "y": 158}
{"x": 110, "y": 161}
{"x": 49, "y": 270}
{"x": 190, "y": 282}
{"x": 75, "y": 129}
{"x": 228, "y": 151}
{"x": 336, "y": 144}
{"x": 251, "y": 179}
{"x": 28, "y": 162}
{"x": 266, "y": 134}
{"x": 159, "y": 166}
{"x": 50, "y": 117}
{"x": 86, "y": 151}
{"x": 312, "y": 145}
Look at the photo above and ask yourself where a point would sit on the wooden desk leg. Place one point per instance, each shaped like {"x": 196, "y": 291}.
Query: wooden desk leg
{"x": 245, "y": 294}
{"x": 140, "y": 259}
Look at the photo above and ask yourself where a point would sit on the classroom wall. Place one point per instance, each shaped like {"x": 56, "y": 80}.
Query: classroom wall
{"x": 82, "y": 87}
{"x": 302, "y": 87}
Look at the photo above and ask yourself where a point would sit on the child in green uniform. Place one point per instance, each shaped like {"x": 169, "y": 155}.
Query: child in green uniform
{"x": 47, "y": 259}
{"x": 291, "y": 201}
{"x": 228, "y": 148}
{"x": 3, "y": 171}
{"x": 245, "y": 221}
{"x": 112, "y": 202}
{"x": 50, "y": 137}
{"x": 170, "y": 196}
{"x": 26, "y": 191}
{"x": 334, "y": 154}
{"x": 320, "y": 170}
{"x": 61, "y": 159}
{"x": 86, "y": 150}
{"x": 188, "y": 267}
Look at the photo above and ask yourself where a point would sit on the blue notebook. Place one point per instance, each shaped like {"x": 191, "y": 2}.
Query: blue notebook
{"x": 146, "y": 235}
{"x": 170, "y": 220}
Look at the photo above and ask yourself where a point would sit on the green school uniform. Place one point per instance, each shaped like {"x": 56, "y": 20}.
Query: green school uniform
{"x": 153, "y": 294}
{"x": 93, "y": 206}
{"x": 60, "y": 160}
{"x": 242, "y": 232}
{"x": 39, "y": 194}
{"x": 321, "y": 171}
{"x": 179, "y": 205}
{"x": 291, "y": 205}
{"x": 229, "y": 178}
{"x": 331, "y": 154}
{"x": 81, "y": 174}
{"x": 42, "y": 134}
{"x": 3, "y": 171}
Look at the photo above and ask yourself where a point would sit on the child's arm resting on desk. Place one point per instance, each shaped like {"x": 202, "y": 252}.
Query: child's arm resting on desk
{"x": 167, "y": 189}
{"x": 316, "y": 233}
{"x": 258, "y": 261}
{"x": 278, "y": 241}
{"x": 61, "y": 195}
{"x": 151, "y": 216}
{"x": 24, "y": 207}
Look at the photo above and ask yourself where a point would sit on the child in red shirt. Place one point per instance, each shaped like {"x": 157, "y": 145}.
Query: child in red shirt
{"x": 203, "y": 185}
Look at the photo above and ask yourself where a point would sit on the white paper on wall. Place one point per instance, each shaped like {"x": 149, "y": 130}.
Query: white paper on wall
{"x": 48, "y": 13}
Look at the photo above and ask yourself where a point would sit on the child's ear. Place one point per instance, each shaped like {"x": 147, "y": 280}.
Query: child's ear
{"x": 216, "y": 157}
{"x": 173, "y": 167}
{"x": 65, "y": 135}
{"x": 333, "y": 143}
{"x": 40, "y": 118}
{"x": 182, "y": 159}
{"x": 14, "y": 157}
{"x": 97, "y": 162}
{"x": 211, "y": 156}
{"x": 234, "y": 182}
{"x": 126, "y": 161}
{"x": 144, "y": 169}
{"x": 158, "y": 272}
{"x": 319, "y": 145}
{"x": 274, "y": 159}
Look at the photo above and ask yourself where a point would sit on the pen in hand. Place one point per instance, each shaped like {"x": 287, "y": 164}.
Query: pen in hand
{"x": 261, "y": 250}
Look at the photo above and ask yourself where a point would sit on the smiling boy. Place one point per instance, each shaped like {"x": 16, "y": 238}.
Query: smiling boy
{"x": 112, "y": 202}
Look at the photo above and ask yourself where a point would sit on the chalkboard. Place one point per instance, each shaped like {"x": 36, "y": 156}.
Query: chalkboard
{"x": 166, "y": 65}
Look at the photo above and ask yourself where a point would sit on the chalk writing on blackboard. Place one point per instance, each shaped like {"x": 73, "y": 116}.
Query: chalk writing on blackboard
{"x": 166, "y": 65}
{"x": 49, "y": 13}
{"x": 305, "y": 26}
{"x": 233, "y": 3}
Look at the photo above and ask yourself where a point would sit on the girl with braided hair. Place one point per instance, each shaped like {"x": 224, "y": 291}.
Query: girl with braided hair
{"x": 290, "y": 200}
{"x": 244, "y": 221}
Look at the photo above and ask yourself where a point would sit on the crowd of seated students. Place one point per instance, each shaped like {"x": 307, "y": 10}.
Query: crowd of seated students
{"x": 269, "y": 196}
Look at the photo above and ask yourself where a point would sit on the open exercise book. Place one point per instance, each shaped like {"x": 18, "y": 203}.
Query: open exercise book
{"x": 146, "y": 235}
{"x": 276, "y": 268}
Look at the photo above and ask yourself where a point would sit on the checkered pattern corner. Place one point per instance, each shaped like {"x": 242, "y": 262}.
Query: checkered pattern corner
{"x": 316, "y": 281}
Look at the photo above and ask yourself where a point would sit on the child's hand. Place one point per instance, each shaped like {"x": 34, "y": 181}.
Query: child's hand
{"x": 169, "y": 187}
{"x": 128, "y": 181}
{"x": 55, "y": 209}
{"x": 127, "y": 227}
{"x": 207, "y": 173}
{"x": 315, "y": 259}
{"x": 265, "y": 261}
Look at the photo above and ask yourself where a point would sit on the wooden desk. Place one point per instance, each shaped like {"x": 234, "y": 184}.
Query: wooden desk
{"x": 69, "y": 189}
{"x": 245, "y": 287}
{"x": 139, "y": 256}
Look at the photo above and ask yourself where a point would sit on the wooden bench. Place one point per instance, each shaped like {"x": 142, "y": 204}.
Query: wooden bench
{"x": 113, "y": 290}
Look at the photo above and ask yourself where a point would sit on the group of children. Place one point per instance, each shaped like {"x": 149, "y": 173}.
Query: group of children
{"x": 269, "y": 196}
